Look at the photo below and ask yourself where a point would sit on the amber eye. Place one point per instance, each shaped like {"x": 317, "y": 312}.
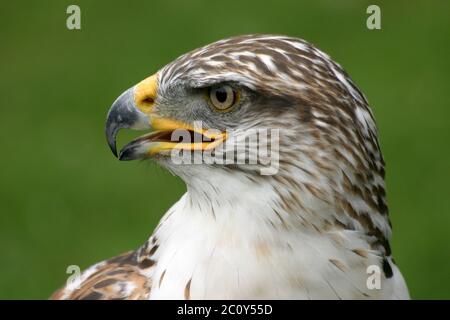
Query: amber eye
{"x": 223, "y": 97}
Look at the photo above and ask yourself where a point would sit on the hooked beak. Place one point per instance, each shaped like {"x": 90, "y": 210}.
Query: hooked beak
{"x": 124, "y": 114}
{"x": 133, "y": 109}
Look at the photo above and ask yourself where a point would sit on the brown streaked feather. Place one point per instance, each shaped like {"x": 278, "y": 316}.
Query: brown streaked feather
{"x": 119, "y": 278}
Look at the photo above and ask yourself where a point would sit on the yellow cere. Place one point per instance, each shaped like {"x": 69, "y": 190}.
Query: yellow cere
{"x": 145, "y": 93}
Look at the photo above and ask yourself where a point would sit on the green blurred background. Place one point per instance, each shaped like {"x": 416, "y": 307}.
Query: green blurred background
{"x": 64, "y": 199}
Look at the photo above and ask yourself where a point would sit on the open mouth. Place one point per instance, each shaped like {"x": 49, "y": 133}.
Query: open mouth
{"x": 133, "y": 110}
{"x": 168, "y": 133}
{"x": 161, "y": 141}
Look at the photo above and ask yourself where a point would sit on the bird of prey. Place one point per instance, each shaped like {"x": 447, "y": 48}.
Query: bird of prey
{"x": 315, "y": 228}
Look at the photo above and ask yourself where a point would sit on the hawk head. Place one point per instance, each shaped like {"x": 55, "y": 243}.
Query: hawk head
{"x": 306, "y": 110}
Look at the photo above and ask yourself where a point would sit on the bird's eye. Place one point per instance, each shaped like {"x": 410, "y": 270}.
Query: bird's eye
{"x": 223, "y": 97}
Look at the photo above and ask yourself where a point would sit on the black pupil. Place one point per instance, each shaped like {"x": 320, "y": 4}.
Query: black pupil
{"x": 221, "y": 95}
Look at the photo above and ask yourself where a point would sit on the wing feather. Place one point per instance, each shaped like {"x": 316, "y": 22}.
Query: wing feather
{"x": 119, "y": 278}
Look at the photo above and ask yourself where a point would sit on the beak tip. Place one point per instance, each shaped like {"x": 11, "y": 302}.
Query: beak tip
{"x": 114, "y": 151}
{"x": 111, "y": 138}
{"x": 126, "y": 154}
